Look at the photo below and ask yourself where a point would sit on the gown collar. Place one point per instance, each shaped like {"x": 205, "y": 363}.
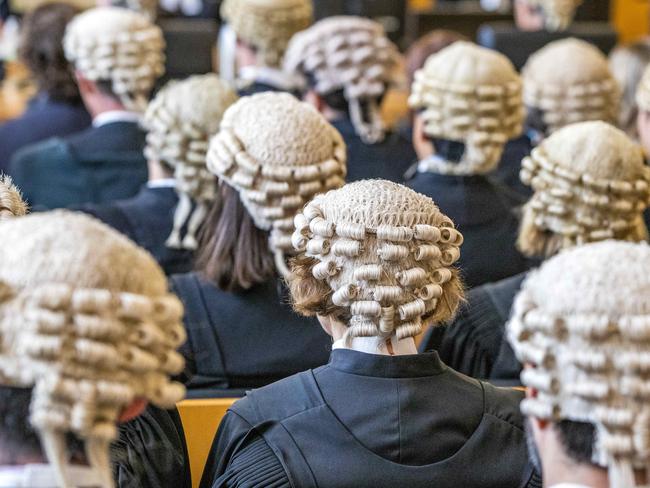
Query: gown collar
{"x": 406, "y": 366}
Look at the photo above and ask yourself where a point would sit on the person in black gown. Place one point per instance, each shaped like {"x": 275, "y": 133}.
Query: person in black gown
{"x": 349, "y": 65}
{"x": 375, "y": 266}
{"x": 165, "y": 215}
{"x": 560, "y": 215}
{"x": 458, "y": 141}
{"x": 271, "y": 154}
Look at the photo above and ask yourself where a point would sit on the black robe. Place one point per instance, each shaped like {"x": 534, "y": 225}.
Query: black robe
{"x": 98, "y": 165}
{"x": 388, "y": 159}
{"x": 507, "y": 173}
{"x": 244, "y": 340}
{"x": 485, "y": 215}
{"x": 147, "y": 219}
{"x": 367, "y": 420}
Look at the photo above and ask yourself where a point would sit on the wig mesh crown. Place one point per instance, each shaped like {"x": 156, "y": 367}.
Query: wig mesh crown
{"x": 180, "y": 121}
{"x": 351, "y": 54}
{"x": 590, "y": 183}
{"x": 387, "y": 254}
{"x": 582, "y": 325}
{"x": 267, "y": 25}
{"x": 643, "y": 91}
{"x": 570, "y": 81}
{"x": 473, "y": 95}
{"x": 558, "y": 14}
{"x": 277, "y": 152}
{"x": 86, "y": 320}
{"x": 120, "y": 46}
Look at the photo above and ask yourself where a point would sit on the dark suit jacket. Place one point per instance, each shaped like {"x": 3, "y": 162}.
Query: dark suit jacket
{"x": 484, "y": 214}
{"x": 98, "y": 165}
{"x": 507, "y": 173}
{"x": 43, "y": 118}
{"x": 147, "y": 219}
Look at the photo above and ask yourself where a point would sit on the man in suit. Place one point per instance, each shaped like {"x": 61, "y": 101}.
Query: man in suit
{"x": 117, "y": 55}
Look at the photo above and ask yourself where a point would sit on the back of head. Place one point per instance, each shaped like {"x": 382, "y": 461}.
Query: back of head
{"x": 352, "y": 55}
{"x": 41, "y": 49}
{"x": 267, "y": 25}
{"x": 569, "y": 81}
{"x": 590, "y": 183}
{"x": 180, "y": 121}
{"x": 118, "y": 46}
{"x": 469, "y": 94}
{"x": 277, "y": 153}
{"x": 558, "y": 14}
{"x": 86, "y": 320}
{"x": 427, "y": 45}
{"x": 378, "y": 256}
{"x": 581, "y": 324}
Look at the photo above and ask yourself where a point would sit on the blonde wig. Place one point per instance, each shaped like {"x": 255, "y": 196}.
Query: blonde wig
{"x": 120, "y": 46}
{"x": 180, "y": 121}
{"x": 387, "y": 254}
{"x": 469, "y": 94}
{"x": 351, "y": 54}
{"x": 277, "y": 152}
{"x": 86, "y": 321}
{"x": 590, "y": 183}
{"x": 581, "y": 324}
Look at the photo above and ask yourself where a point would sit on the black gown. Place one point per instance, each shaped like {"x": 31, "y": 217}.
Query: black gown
{"x": 244, "y": 340}
{"x": 507, "y": 173}
{"x": 367, "y": 420}
{"x": 475, "y": 343}
{"x": 486, "y": 217}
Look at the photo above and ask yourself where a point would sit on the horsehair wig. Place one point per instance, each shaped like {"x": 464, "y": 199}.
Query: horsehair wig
{"x": 392, "y": 281}
{"x": 11, "y": 200}
{"x": 558, "y": 14}
{"x": 180, "y": 121}
{"x": 352, "y": 54}
{"x": 471, "y": 94}
{"x": 120, "y": 46}
{"x": 583, "y": 328}
{"x": 277, "y": 152}
{"x": 86, "y": 320}
{"x": 267, "y": 25}
{"x": 570, "y": 81}
{"x": 590, "y": 183}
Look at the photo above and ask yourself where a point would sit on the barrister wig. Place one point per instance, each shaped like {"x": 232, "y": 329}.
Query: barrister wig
{"x": 469, "y": 94}
{"x": 581, "y": 324}
{"x": 352, "y": 54}
{"x": 267, "y": 25}
{"x": 87, "y": 322}
{"x": 277, "y": 152}
{"x": 180, "y": 121}
{"x": 11, "y": 201}
{"x": 590, "y": 184}
{"x": 384, "y": 252}
{"x": 558, "y": 14}
{"x": 119, "y": 46}
{"x": 570, "y": 81}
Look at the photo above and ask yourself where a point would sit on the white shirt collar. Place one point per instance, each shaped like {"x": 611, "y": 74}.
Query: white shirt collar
{"x": 162, "y": 183}
{"x": 42, "y": 476}
{"x": 377, "y": 345}
{"x": 113, "y": 116}
{"x": 269, "y": 76}
{"x": 432, "y": 164}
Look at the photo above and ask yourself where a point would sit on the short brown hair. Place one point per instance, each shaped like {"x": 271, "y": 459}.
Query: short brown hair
{"x": 41, "y": 49}
{"x": 233, "y": 253}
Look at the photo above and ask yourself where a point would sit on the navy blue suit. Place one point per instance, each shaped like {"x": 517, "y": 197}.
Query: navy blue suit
{"x": 388, "y": 159}
{"x": 98, "y": 165}
{"x": 43, "y": 118}
{"x": 147, "y": 219}
{"x": 484, "y": 214}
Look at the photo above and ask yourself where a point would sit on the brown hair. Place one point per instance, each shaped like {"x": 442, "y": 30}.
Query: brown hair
{"x": 233, "y": 253}
{"x": 41, "y": 49}
{"x": 427, "y": 45}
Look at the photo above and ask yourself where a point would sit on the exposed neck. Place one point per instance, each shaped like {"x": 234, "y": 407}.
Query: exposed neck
{"x": 378, "y": 345}
{"x": 157, "y": 171}
{"x": 557, "y": 469}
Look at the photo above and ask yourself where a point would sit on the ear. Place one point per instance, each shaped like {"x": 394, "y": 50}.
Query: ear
{"x": 85, "y": 85}
{"x": 325, "y": 322}
{"x": 423, "y": 146}
{"x": 314, "y": 99}
{"x": 133, "y": 410}
{"x": 538, "y": 424}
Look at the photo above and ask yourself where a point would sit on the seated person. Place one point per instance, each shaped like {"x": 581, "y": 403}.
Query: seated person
{"x": 56, "y": 109}
{"x": 376, "y": 266}
{"x": 271, "y": 155}
{"x": 165, "y": 216}
{"x": 349, "y": 64}
{"x": 565, "y": 82}
{"x": 458, "y": 142}
{"x": 261, "y": 32}
{"x": 580, "y": 326}
{"x": 114, "y": 74}
{"x": 549, "y": 15}
{"x": 584, "y": 178}
{"x": 71, "y": 367}
{"x": 147, "y": 7}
